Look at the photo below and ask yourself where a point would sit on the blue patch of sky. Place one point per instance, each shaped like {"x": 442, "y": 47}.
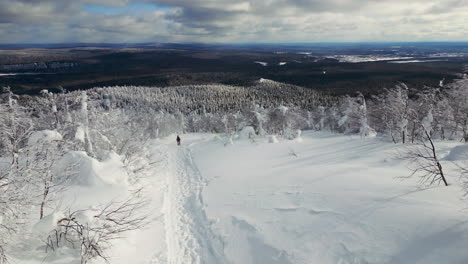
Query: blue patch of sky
{"x": 130, "y": 8}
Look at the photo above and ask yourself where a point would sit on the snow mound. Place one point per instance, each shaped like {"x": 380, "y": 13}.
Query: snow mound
{"x": 458, "y": 153}
{"x": 48, "y": 223}
{"x": 78, "y": 169}
{"x": 87, "y": 216}
{"x": 272, "y": 139}
{"x": 261, "y": 63}
{"x": 228, "y": 141}
{"x": 80, "y": 134}
{"x": 111, "y": 169}
{"x": 297, "y": 135}
{"x": 247, "y": 133}
{"x": 282, "y": 63}
{"x": 367, "y": 131}
{"x": 283, "y": 109}
{"x": 44, "y": 136}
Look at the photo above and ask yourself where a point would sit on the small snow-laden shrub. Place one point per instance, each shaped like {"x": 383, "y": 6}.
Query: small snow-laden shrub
{"x": 29, "y": 182}
{"x": 293, "y": 152}
{"x": 424, "y": 161}
{"x": 13, "y": 211}
{"x": 247, "y": 132}
{"x": 272, "y": 139}
{"x": 349, "y": 122}
{"x": 93, "y": 230}
{"x": 293, "y": 134}
{"x": 44, "y": 136}
{"x": 40, "y": 162}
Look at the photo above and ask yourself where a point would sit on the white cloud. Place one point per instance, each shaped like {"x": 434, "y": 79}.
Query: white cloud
{"x": 235, "y": 21}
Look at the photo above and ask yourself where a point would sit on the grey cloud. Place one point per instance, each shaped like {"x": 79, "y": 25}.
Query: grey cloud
{"x": 234, "y": 20}
{"x": 24, "y": 12}
{"x": 447, "y": 6}
{"x": 207, "y": 21}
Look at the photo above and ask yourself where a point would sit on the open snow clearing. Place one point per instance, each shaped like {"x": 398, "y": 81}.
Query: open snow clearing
{"x": 321, "y": 199}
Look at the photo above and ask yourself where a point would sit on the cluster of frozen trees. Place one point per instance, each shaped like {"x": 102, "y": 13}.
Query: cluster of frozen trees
{"x": 121, "y": 119}
{"x": 398, "y": 113}
{"x": 36, "y": 135}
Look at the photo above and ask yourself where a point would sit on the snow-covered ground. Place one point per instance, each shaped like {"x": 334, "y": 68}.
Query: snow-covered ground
{"x": 328, "y": 199}
{"x": 321, "y": 198}
{"x": 261, "y": 63}
{"x": 367, "y": 58}
{"x": 22, "y": 73}
{"x": 414, "y": 61}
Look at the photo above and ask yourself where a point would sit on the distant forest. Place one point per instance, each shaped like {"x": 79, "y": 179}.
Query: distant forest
{"x": 318, "y": 67}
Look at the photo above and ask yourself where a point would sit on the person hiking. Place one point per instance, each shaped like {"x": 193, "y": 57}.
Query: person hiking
{"x": 178, "y": 140}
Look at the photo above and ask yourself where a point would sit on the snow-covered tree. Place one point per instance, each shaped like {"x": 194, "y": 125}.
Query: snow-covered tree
{"x": 457, "y": 94}
{"x": 364, "y": 130}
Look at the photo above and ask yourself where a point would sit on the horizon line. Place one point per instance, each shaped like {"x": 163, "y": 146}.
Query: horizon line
{"x": 233, "y": 43}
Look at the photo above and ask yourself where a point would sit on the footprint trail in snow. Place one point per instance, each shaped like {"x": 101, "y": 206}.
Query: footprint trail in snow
{"x": 188, "y": 235}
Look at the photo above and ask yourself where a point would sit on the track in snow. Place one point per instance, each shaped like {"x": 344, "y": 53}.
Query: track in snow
{"x": 188, "y": 235}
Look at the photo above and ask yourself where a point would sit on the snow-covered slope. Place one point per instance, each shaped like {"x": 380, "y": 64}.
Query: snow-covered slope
{"x": 328, "y": 199}
{"x": 320, "y": 198}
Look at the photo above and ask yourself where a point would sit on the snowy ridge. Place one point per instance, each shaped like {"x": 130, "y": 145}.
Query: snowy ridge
{"x": 188, "y": 235}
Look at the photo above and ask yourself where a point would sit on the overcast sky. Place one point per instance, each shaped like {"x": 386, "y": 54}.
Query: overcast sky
{"x": 243, "y": 21}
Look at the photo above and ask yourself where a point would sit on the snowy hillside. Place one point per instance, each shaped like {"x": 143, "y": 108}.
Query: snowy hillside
{"x": 95, "y": 176}
{"x": 321, "y": 198}
{"x": 328, "y": 199}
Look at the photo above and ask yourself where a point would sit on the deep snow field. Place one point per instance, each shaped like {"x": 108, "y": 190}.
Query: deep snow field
{"x": 320, "y": 199}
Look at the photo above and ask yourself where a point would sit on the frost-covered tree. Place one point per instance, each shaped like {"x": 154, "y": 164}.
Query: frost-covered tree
{"x": 40, "y": 167}
{"x": 364, "y": 130}
{"x": 424, "y": 161}
{"x": 349, "y": 122}
{"x": 391, "y": 113}
{"x": 457, "y": 94}
{"x": 15, "y": 126}
{"x": 82, "y": 133}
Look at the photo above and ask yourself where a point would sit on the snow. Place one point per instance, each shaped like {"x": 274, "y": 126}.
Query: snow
{"x": 283, "y": 109}
{"x": 458, "y": 153}
{"x": 272, "y": 139}
{"x": 44, "y": 136}
{"x": 367, "y": 58}
{"x": 247, "y": 132}
{"x": 414, "y": 61}
{"x": 261, "y": 63}
{"x": 338, "y": 199}
{"x": 282, "y": 63}
{"x": 80, "y": 134}
{"x": 91, "y": 184}
{"x": 448, "y": 55}
{"x": 84, "y": 169}
{"x": 7, "y": 74}
{"x": 22, "y": 73}
{"x": 48, "y": 223}
{"x": 188, "y": 233}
